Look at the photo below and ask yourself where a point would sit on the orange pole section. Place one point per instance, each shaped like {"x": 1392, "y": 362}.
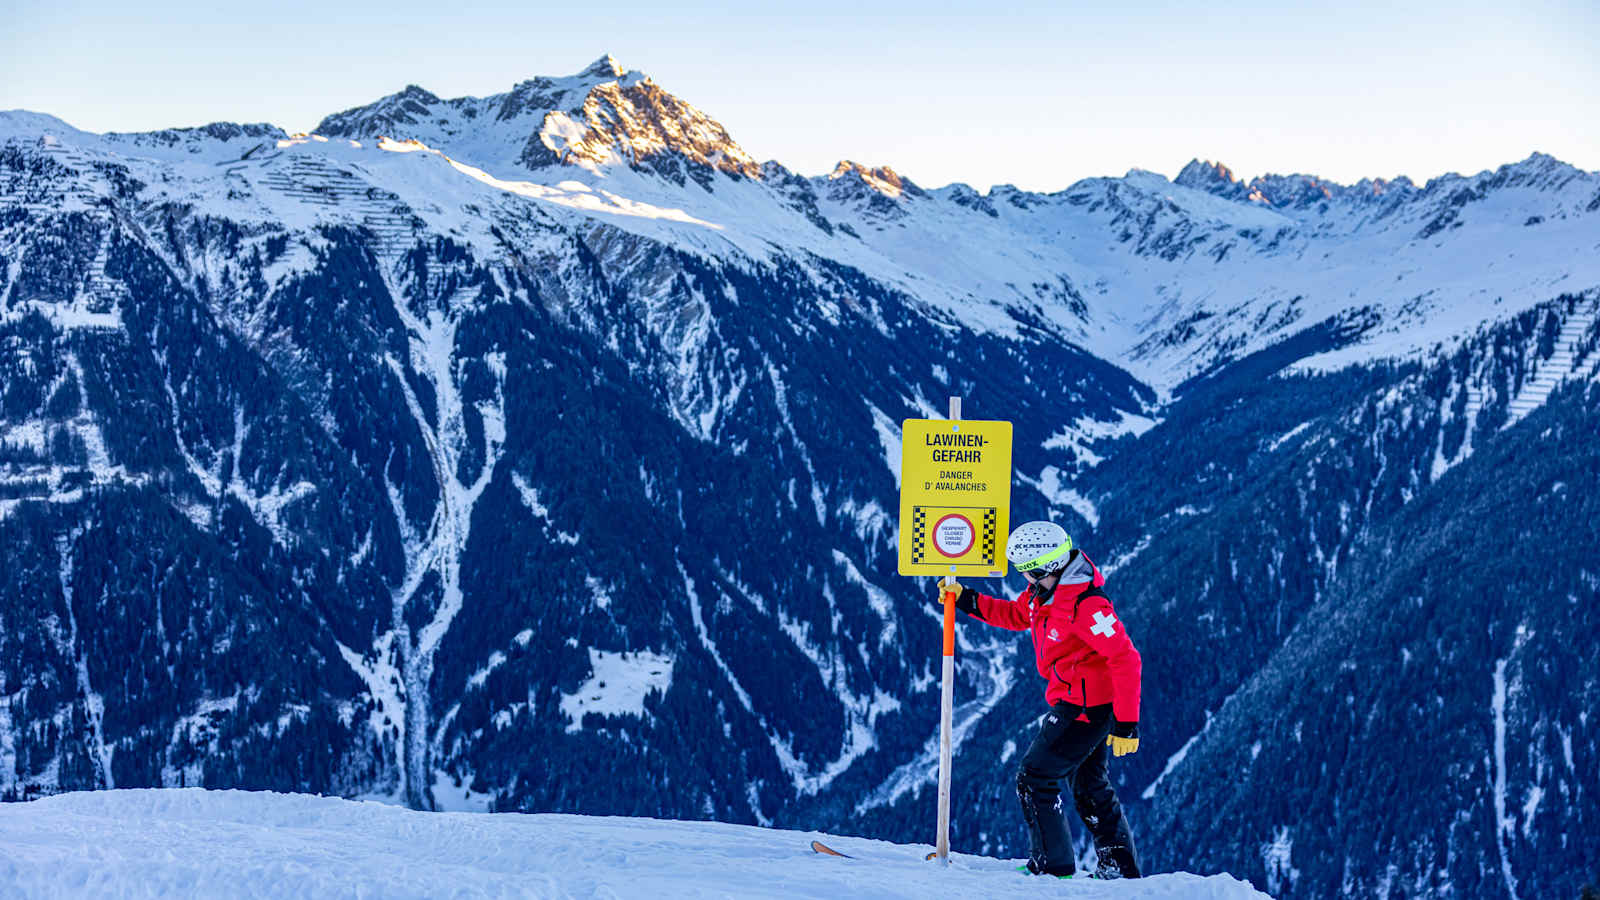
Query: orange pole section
{"x": 949, "y": 623}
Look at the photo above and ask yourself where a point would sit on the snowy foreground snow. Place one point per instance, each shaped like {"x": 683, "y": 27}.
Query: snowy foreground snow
{"x": 192, "y": 842}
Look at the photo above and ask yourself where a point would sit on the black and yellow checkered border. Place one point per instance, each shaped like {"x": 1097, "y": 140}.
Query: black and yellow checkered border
{"x": 919, "y": 534}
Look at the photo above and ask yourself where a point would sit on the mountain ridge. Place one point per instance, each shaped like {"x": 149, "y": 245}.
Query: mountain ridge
{"x": 985, "y": 257}
{"x": 399, "y": 116}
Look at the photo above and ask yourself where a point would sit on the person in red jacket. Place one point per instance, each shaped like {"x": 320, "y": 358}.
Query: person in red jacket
{"x": 1091, "y": 673}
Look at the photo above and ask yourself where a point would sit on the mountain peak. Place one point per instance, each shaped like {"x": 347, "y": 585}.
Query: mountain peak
{"x": 604, "y": 67}
{"x": 415, "y": 112}
{"x": 386, "y": 116}
{"x": 633, "y": 120}
{"x": 1276, "y": 191}
{"x": 1540, "y": 170}
{"x": 418, "y": 93}
{"x": 882, "y": 179}
{"x": 601, "y": 115}
{"x": 1211, "y": 177}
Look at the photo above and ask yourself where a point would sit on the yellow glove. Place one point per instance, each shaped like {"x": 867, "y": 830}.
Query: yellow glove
{"x": 1124, "y": 738}
{"x": 950, "y": 587}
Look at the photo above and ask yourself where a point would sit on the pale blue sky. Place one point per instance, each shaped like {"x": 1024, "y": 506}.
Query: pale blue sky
{"x": 1029, "y": 93}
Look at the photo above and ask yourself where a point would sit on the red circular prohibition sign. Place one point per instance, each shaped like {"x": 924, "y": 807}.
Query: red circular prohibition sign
{"x": 972, "y": 535}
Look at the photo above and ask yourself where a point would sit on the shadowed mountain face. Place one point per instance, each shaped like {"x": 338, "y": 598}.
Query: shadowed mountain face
{"x": 1362, "y": 597}
{"x": 540, "y": 452}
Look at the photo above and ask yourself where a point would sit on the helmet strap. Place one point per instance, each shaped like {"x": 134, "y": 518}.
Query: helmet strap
{"x": 1042, "y": 595}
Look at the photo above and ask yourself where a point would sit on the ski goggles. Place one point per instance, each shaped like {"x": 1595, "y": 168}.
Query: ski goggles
{"x": 1034, "y": 575}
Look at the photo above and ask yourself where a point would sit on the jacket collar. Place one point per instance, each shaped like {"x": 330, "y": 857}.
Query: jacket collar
{"x": 1081, "y": 572}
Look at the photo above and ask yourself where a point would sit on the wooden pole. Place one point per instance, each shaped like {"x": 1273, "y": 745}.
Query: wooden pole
{"x": 947, "y": 698}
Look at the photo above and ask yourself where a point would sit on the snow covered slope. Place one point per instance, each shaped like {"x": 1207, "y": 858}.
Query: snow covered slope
{"x": 191, "y": 842}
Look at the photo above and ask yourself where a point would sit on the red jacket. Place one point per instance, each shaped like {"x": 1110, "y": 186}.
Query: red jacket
{"x": 1081, "y": 647}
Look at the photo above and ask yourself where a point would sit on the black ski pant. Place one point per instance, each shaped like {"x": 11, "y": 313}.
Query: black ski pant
{"x": 1070, "y": 751}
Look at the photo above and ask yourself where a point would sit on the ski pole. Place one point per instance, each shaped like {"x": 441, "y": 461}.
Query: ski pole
{"x": 947, "y": 697}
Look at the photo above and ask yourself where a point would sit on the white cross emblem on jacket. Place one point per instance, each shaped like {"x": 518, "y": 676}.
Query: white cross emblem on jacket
{"x": 1105, "y": 625}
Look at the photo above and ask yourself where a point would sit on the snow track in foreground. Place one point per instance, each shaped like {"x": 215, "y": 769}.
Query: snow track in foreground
{"x": 192, "y": 842}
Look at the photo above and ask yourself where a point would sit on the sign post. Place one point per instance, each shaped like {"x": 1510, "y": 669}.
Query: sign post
{"x": 955, "y": 510}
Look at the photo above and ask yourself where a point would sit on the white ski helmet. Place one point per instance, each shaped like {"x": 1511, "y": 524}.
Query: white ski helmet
{"x": 1039, "y": 548}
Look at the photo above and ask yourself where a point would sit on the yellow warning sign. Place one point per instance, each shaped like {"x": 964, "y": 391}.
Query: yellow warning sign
{"x": 955, "y": 496}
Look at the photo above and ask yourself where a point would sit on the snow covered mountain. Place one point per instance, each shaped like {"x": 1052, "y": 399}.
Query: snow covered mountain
{"x": 536, "y": 452}
{"x": 164, "y": 843}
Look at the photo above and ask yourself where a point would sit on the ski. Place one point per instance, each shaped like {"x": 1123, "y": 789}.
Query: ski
{"x": 825, "y": 850}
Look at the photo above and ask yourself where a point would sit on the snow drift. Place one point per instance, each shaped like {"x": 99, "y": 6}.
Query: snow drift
{"x": 193, "y": 842}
